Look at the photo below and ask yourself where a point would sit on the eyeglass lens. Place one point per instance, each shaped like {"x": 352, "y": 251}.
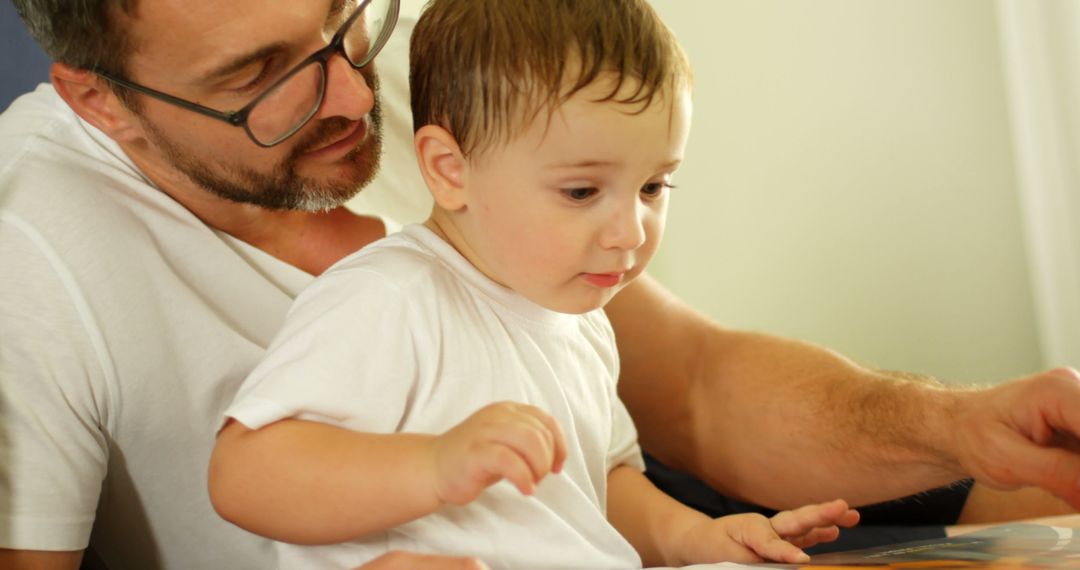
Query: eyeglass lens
{"x": 290, "y": 104}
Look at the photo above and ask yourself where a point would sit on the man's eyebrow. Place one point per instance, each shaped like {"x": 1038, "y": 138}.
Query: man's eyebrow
{"x": 238, "y": 63}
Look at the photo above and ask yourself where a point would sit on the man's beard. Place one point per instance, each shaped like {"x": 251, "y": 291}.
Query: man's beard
{"x": 283, "y": 188}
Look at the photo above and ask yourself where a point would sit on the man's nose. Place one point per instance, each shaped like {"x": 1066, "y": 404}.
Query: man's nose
{"x": 625, "y": 228}
{"x": 347, "y": 94}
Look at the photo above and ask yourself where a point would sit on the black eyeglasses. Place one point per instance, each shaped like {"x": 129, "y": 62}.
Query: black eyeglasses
{"x": 283, "y": 109}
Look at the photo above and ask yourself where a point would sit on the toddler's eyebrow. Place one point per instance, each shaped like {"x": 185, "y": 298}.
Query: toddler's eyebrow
{"x": 583, "y": 164}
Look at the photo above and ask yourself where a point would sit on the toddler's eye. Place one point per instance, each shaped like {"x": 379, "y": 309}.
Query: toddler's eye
{"x": 579, "y": 194}
{"x": 655, "y": 189}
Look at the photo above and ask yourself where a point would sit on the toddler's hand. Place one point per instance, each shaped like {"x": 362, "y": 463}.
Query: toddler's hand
{"x": 813, "y": 524}
{"x": 752, "y": 538}
{"x": 504, "y": 440}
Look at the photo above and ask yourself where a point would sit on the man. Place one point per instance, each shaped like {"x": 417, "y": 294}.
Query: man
{"x": 151, "y": 246}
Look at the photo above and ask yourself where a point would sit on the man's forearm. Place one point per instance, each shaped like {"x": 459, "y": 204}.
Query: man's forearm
{"x": 771, "y": 420}
{"x": 809, "y": 426}
{"x": 40, "y": 559}
{"x": 311, "y": 483}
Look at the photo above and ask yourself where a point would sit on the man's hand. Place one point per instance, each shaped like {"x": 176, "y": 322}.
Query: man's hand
{"x": 1024, "y": 433}
{"x": 752, "y": 538}
{"x": 398, "y": 560}
{"x": 505, "y": 440}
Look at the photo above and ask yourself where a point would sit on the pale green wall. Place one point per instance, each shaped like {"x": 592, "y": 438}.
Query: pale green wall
{"x": 850, "y": 181}
{"x": 412, "y": 7}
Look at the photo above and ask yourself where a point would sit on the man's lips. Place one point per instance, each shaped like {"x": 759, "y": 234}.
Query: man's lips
{"x": 342, "y": 144}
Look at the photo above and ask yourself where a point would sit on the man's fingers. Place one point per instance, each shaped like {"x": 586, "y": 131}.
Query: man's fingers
{"x": 1059, "y": 391}
{"x": 1011, "y": 456}
{"x": 1025, "y": 433}
{"x": 1054, "y": 469}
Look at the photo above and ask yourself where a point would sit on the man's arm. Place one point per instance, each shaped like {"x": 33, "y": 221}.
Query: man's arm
{"x": 53, "y": 390}
{"x": 783, "y": 423}
{"x": 39, "y": 560}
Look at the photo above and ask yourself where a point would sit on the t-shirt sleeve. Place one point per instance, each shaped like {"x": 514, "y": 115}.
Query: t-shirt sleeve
{"x": 624, "y": 442}
{"x": 346, "y": 356}
{"x": 54, "y": 378}
{"x": 624, "y": 448}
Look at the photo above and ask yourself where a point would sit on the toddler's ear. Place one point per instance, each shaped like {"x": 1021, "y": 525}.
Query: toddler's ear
{"x": 443, "y": 165}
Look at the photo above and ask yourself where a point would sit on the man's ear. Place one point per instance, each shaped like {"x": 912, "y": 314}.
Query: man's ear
{"x": 90, "y": 96}
{"x": 443, "y": 166}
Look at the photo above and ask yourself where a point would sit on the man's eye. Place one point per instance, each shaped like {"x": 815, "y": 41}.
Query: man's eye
{"x": 255, "y": 83}
{"x": 579, "y": 194}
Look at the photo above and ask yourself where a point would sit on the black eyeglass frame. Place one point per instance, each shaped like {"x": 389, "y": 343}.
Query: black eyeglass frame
{"x": 239, "y": 118}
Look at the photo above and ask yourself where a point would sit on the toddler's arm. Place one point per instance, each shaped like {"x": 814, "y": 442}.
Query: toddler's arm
{"x": 667, "y": 533}
{"x": 310, "y": 483}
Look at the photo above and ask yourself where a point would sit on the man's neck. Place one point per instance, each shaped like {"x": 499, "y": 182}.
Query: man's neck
{"x": 310, "y": 241}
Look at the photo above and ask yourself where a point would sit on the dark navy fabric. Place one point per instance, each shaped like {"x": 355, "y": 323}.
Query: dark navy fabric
{"x": 918, "y": 517}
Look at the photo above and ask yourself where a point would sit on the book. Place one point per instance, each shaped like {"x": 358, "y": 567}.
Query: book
{"x": 1023, "y": 546}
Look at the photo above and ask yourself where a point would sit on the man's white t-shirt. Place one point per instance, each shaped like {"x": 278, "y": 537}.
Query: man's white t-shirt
{"x": 406, "y": 336}
{"x": 126, "y": 326}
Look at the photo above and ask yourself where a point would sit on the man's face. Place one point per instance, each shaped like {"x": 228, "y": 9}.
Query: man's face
{"x": 570, "y": 211}
{"x": 224, "y": 54}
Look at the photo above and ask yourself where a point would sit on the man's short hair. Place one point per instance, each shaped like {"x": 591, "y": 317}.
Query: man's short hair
{"x": 84, "y": 34}
{"x": 484, "y": 69}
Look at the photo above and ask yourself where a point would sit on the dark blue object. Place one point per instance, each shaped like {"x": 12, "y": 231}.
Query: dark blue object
{"x": 22, "y": 63}
{"x": 918, "y": 517}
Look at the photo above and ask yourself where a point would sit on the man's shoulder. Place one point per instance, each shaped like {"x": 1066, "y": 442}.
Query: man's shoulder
{"x": 67, "y": 182}
{"x": 46, "y": 151}
{"x": 39, "y": 124}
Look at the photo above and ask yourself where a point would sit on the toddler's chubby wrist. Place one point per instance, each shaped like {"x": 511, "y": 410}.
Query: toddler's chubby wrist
{"x": 429, "y": 476}
{"x": 680, "y": 535}
{"x": 433, "y": 484}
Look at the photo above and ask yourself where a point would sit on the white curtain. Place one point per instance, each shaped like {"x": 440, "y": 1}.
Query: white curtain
{"x": 1041, "y": 49}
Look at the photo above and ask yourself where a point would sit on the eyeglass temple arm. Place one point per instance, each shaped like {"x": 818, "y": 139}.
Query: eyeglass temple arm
{"x": 231, "y": 117}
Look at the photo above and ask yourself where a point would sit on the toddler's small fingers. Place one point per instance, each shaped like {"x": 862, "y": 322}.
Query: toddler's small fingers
{"x": 759, "y": 535}
{"x": 507, "y": 464}
{"x": 816, "y": 536}
{"x": 801, "y": 520}
{"x": 780, "y": 550}
{"x": 554, "y": 434}
{"x": 558, "y": 439}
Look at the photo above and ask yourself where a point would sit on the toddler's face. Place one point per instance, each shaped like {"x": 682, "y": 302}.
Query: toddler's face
{"x": 572, "y": 210}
